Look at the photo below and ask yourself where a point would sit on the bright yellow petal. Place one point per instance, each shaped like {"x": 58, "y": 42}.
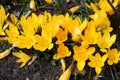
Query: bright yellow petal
{"x": 50, "y": 46}
{"x": 83, "y": 25}
{"x": 91, "y": 57}
{"x": 91, "y": 64}
{"x": 3, "y": 17}
{"x": 41, "y": 43}
{"x": 2, "y": 10}
{"x": 113, "y": 56}
{"x": 103, "y": 50}
{"x": 113, "y": 38}
{"x": 98, "y": 70}
{"x": 61, "y": 36}
{"x": 63, "y": 51}
{"x": 13, "y": 18}
{"x": 110, "y": 62}
{"x": 12, "y": 31}
{"x": 97, "y": 55}
{"x": 104, "y": 57}
{"x": 80, "y": 65}
{"x": 56, "y": 56}
{"x": 97, "y": 62}
{"x": 24, "y": 58}
{"x": 90, "y": 50}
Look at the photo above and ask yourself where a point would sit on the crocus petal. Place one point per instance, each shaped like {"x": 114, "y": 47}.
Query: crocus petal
{"x": 109, "y": 62}
{"x": 81, "y": 65}
{"x": 66, "y": 74}
{"x": 104, "y": 57}
{"x": 23, "y": 57}
{"x": 91, "y": 50}
{"x": 56, "y": 56}
{"x": 91, "y": 64}
{"x": 113, "y": 38}
{"x": 98, "y": 70}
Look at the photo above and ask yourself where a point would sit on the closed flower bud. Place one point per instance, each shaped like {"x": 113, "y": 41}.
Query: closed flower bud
{"x": 5, "y": 53}
{"x": 32, "y": 5}
{"x": 49, "y": 1}
{"x": 66, "y": 74}
{"x": 74, "y": 9}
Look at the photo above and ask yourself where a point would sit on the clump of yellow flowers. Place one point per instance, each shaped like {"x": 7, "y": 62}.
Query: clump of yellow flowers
{"x": 89, "y": 35}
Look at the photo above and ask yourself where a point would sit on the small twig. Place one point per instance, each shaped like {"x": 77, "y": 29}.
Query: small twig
{"x": 33, "y": 59}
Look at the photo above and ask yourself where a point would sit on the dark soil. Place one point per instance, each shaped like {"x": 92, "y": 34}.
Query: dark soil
{"x": 38, "y": 70}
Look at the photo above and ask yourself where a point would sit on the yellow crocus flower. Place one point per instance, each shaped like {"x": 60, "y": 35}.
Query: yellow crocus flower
{"x": 31, "y": 23}
{"x": 42, "y": 43}
{"x": 34, "y": 21}
{"x": 77, "y": 34}
{"x": 67, "y": 22}
{"x": 105, "y": 41}
{"x": 81, "y": 54}
{"x": 97, "y": 62}
{"x": 17, "y": 40}
{"x": 74, "y": 26}
{"x": 23, "y": 57}
{"x": 101, "y": 21}
{"x": 90, "y": 34}
{"x": 61, "y": 36}
{"x": 63, "y": 51}
{"x": 24, "y": 41}
{"x": 113, "y": 56}
{"x": 12, "y": 31}
{"x": 51, "y": 27}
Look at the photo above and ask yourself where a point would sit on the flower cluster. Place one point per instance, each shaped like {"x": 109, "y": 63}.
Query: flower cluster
{"x": 93, "y": 37}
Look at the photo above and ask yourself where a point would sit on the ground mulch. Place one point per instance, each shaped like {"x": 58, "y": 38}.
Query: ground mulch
{"x": 38, "y": 70}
